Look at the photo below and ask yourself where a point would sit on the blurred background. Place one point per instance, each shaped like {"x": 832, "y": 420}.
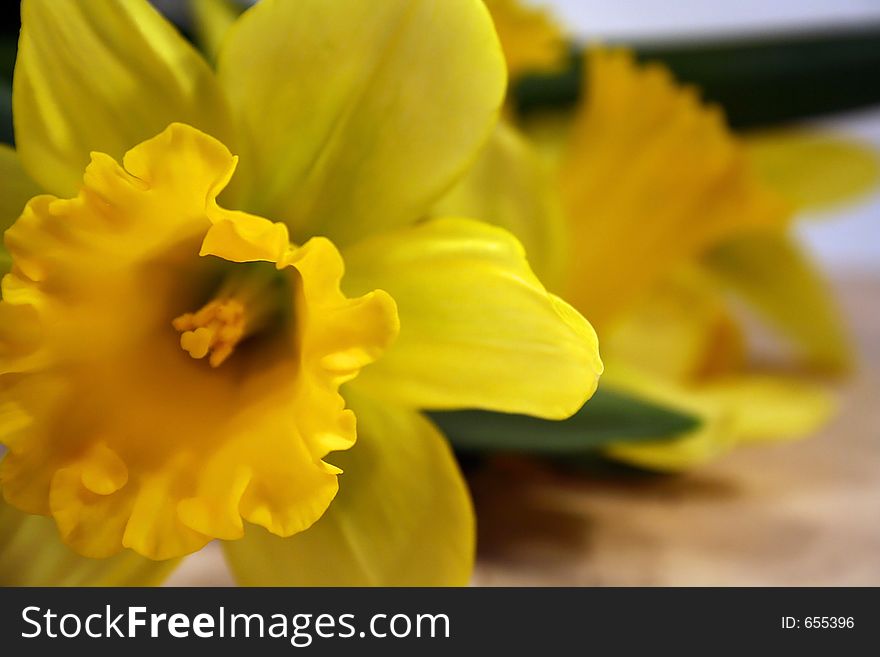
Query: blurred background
{"x": 785, "y": 513}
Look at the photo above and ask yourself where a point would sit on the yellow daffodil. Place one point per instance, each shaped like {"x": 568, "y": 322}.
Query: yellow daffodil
{"x": 183, "y": 330}
{"x": 650, "y": 210}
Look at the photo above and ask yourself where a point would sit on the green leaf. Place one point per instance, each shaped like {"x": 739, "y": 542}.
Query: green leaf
{"x": 758, "y": 81}
{"x": 608, "y": 417}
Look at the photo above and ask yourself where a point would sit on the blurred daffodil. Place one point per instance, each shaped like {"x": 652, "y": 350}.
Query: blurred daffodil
{"x": 688, "y": 216}
{"x": 647, "y": 189}
{"x": 173, "y": 371}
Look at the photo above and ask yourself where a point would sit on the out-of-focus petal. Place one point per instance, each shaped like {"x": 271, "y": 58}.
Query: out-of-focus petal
{"x": 814, "y": 171}
{"x": 772, "y": 274}
{"x": 681, "y": 330}
{"x": 732, "y": 411}
{"x": 32, "y": 554}
{"x": 767, "y": 407}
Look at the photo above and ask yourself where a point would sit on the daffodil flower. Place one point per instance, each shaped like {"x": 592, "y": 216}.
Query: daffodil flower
{"x": 646, "y": 187}
{"x": 192, "y": 341}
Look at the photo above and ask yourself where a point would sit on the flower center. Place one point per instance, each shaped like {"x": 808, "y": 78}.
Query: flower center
{"x": 214, "y": 329}
{"x": 244, "y": 304}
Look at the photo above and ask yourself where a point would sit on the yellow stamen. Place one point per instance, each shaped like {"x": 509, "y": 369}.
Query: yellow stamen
{"x": 215, "y": 329}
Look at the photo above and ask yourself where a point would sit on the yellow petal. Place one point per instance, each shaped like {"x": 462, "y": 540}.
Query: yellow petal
{"x": 766, "y": 407}
{"x": 16, "y": 188}
{"x": 360, "y": 113}
{"x": 32, "y": 554}
{"x": 103, "y": 76}
{"x": 509, "y": 186}
{"x": 814, "y": 171}
{"x": 681, "y": 330}
{"x": 733, "y": 410}
{"x": 674, "y": 455}
{"x": 478, "y": 329}
{"x": 771, "y": 273}
{"x": 402, "y": 517}
{"x": 530, "y": 37}
{"x": 651, "y": 176}
{"x": 211, "y": 20}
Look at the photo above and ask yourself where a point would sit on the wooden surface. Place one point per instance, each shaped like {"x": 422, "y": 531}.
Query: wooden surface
{"x": 799, "y": 513}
